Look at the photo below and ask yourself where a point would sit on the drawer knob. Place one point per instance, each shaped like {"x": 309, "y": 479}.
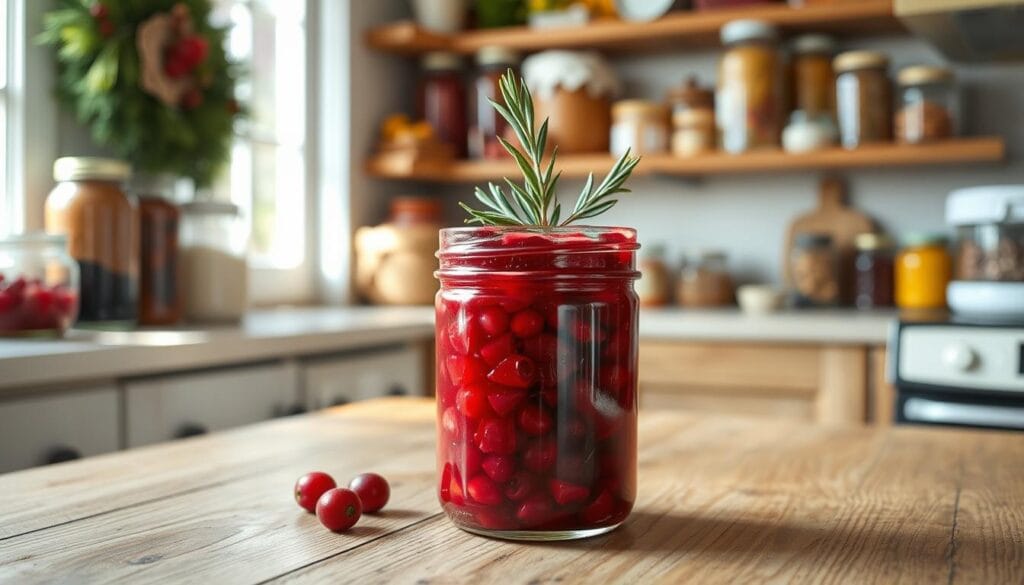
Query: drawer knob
{"x": 398, "y": 390}
{"x": 190, "y": 429}
{"x": 62, "y": 453}
{"x": 960, "y": 357}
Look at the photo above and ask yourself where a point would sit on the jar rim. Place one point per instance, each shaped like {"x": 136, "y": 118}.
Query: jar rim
{"x": 556, "y": 236}
{"x": 34, "y": 239}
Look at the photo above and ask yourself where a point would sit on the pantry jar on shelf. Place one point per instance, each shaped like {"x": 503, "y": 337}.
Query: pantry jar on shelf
{"x": 693, "y": 119}
{"x": 749, "y": 101}
{"x": 863, "y": 98}
{"x": 215, "y": 272}
{"x": 814, "y": 266}
{"x": 441, "y": 99}
{"x": 924, "y": 268}
{"x": 640, "y": 126}
{"x": 929, "y": 105}
{"x": 487, "y": 124}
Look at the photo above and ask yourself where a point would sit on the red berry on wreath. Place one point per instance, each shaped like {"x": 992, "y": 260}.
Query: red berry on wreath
{"x": 106, "y": 29}
{"x": 174, "y": 66}
{"x": 192, "y": 50}
{"x": 192, "y": 99}
{"x": 339, "y": 509}
{"x": 98, "y": 11}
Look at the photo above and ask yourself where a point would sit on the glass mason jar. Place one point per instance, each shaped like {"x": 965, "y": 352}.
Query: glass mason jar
{"x": 215, "y": 273}
{"x": 536, "y": 380}
{"x": 749, "y": 102}
{"x": 863, "y": 98}
{"x": 814, "y": 267}
{"x": 929, "y": 105}
{"x": 441, "y": 99}
{"x": 159, "y": 280}
{"x": 873, "y": 266}
{"x": 38, "y": 285}
{"x": 488, "y": 125}
{"x": 923, "y": 270}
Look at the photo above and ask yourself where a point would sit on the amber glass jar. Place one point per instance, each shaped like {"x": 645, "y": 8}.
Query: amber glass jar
{"x": 536, "y": 380}
{"x": 863, "y": 98}
{"x": 814, "y": 86}
{"x": 749, "y": 102}
{"x": 89, "y": 206}
{"x": 923, "y": 270}
{"x": 814, "y": 266}
{"x": 442, "y": 99}
{"x": 693, "y": 119}
{"x": 487, "y": 124}
{"x": 873, "y": 266}
{"x": 159, "y": 277}
{"x": 929, "y": 105}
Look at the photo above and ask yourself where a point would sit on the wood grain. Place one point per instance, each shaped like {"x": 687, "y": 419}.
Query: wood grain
{"x": 722, "y": 500}
{"x": 882, "y": 396}
{"x": 674, "y": 30}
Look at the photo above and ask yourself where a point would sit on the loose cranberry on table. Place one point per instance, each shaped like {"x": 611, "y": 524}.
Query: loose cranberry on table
{"x": 339, "y": 509}
{"x": 372, "y": 489}
{"x": 310, "y": 487}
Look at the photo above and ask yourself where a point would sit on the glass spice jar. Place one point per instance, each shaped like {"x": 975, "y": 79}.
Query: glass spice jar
{"x": 923, "y": 270}
{"x": 441, "y": 99}
{"x": 488, "y": 125}
{"x": 38, "y": 285}
{"x": 693, "y": 119}
{"x": 814, "y": 266}
{"x": 873, "y": 271}
{"x": 929, "y": 105}
{"x": 749, "y": 100}
{"x": 89, "y": 206}
{"x": 639, "y": 126}
{"x": 536, "y": 380}
{"x": 159, "y": 278}
{"x": 863, "y": 98}
{"x": 814, "y": 86}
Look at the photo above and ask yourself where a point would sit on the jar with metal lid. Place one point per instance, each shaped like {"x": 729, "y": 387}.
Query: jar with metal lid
{"x": 159, "y": 278}
{"x": 487, "y": 124}
{"x": 38, "y": 285}
{"x": 929, "y": 107}
{"x": 90, "y": 207}
{"x": 814, "y": 87}
{"x": 693, "y": 119}
{"x": 639, "y": 126}
{"x": 863, "y": 98}
{"x": 441, "y": 99}
{"x": 706, "y": 283}
{"x": 923, "y": 270}
{"x": 749, "y": 102}
{"x": 814, "y": 266}
{"x": 873, "y": 268}
{"x": 215, "y": 274}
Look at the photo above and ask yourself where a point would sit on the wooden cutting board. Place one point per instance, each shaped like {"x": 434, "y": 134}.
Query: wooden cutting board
{"x": 835, "y": 218}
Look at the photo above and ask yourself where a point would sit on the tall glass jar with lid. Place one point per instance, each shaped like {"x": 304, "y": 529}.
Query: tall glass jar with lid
{"x": 90, "y": 208}
{"x": 215, "y": 273}
{"x": 863, "y": 98}
{"x": 749, "y": 100}
{"x": 38, "y": 285}
{"x": 929, "y": 107}
{"x": 487, "y": 125}
{"x": 159, "y": 278}
{"x": 441, "y": 99}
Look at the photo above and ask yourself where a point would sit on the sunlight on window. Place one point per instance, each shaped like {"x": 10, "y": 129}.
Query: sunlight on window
{"x": 6, "y": 204}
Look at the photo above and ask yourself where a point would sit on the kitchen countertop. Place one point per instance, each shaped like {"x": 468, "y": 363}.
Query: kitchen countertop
{"x": 721, "y": 500}
{"x": 279, "y": 333}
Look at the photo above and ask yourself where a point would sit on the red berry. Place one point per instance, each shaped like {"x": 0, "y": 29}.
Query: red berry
{"x": 540, "y": 455}
{"x": 464, "y": 369}
{"x": 175, "y": 67}
{"x": 600, "y": 510}
{"x": 496, "y": 435}
{"x": 483, "y": 490}
{"x": 505, "y": 400}
{"x": 106, "y": 28}
{"x": 535, "y": 511}
{"x": 451, "y": 423}
{"x": 444, "y": 489}
{"x": 566, "y": 493}
{"x": 520, "y": 486}
{"x": 372, "y": 489}
{"x": 527, "y": 323}
{"x": 98, "y": 11}
{"x": 535, "y": 420}
{"x": 516, "y": 370}
{"x": 500, "y": 468}
{"x": 494, "y": 320}
{"x": 497, "y": 350}
{"x": 339, "y": 509}
{"x": 192, "y": 99}
{"x": 472, "y": 402}
{"x": 193, "y": 50}
{"x": 466, "y": 335}
{"x": 310, "y": 487}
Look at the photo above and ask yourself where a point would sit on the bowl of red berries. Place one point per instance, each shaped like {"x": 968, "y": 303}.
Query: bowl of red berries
{"x": 38, "y": 285}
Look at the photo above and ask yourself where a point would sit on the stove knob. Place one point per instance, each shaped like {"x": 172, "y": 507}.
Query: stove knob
{"x": 959, "y": 357}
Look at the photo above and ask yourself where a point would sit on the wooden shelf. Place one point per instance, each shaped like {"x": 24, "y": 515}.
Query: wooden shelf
{"x": 957, "y": 151}
{"x": 676, "y": 29}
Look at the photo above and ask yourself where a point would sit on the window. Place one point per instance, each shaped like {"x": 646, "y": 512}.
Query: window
{"x": 7, "y": 209}
{"x": 268, "y": 174}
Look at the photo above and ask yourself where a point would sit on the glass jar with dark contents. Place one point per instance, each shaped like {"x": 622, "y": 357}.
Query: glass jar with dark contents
{"x": 814, "y": 266}
{"x": 89, "y": 206}
{"x": 874, "y": 271}
{"x": 441, "y": 99}
{"x": 159, "y": 278}
{"x": 487, "y": 124}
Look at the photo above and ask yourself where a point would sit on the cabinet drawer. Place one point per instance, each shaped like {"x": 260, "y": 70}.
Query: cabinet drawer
{"x": 168, "y": 407}
{"x": 84, "y": 422}
{"x": 342, "y": 379}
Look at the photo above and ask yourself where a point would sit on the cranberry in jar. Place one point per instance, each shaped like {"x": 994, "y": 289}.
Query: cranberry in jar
{"x": 536, "y": 380}
{"x": 441, "y": 99}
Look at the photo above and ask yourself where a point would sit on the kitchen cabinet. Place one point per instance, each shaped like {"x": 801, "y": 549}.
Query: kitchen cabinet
{"x": 175, "y": 406}
{"x": 813, "y": 382}
{"x": 48, "y": 428}
{"x": 347, "y": 378}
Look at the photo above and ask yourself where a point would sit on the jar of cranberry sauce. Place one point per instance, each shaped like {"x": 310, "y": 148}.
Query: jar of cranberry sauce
{"x": 536, "y": 380}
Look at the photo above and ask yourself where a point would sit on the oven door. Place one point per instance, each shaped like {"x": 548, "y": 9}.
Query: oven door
{"x": 961, "y": 409}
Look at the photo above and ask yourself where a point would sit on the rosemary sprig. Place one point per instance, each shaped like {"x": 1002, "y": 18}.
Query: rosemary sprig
{"x": 533, "y": 202}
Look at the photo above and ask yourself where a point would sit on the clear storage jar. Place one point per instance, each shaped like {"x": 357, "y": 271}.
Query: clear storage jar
{"x": 215, "y": 274}
{"x": 814, "y": 267}
{"x": 929, "y": 107}
{"x": 38, "y": 285}
{"x": 863, "y": 98}
{"x": 536, "y": 380}
{"x": 749, "y": 101}
{"x": 989, "y": 223}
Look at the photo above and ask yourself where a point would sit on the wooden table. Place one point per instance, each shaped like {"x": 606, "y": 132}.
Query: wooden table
{"x": 721, "y": 500}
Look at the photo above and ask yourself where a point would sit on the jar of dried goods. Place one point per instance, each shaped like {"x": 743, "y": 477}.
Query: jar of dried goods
{"x": 814, "y": 266}
{"x": 90, "y": 207}
{"x": 929, "y": 107}
{"x": 487, "y": 124}
{"x": 574, "y": 91}
{"x": 923, "y": 270}
{"x": 215, "y": 273}
{"x": 640, "y": 126}
{"x": 654, "y": 287}
{"x": 536, "y": 380}
{"x": 693, "y": 119}
{"x": 706, "y": 282}
{"x": 749, "y": 102}
{"x": 441, "y": 99}
{"x": 814, "y": 86}
{"x": 38, "y": 285}
{"x": 863, "y": 98}
{"x": 873, "y": 268}
{"x": 159, "y": 278}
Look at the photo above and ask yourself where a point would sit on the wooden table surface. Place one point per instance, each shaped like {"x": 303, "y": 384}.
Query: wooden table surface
{"x": 724, "y": 500}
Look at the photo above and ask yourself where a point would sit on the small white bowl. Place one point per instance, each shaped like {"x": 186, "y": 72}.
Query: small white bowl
{"x": 758, "y": 299}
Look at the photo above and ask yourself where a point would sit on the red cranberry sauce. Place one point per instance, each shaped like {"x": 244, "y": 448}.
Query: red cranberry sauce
{"x": 30, "y": 306}
{"x": 536, "y": 377}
